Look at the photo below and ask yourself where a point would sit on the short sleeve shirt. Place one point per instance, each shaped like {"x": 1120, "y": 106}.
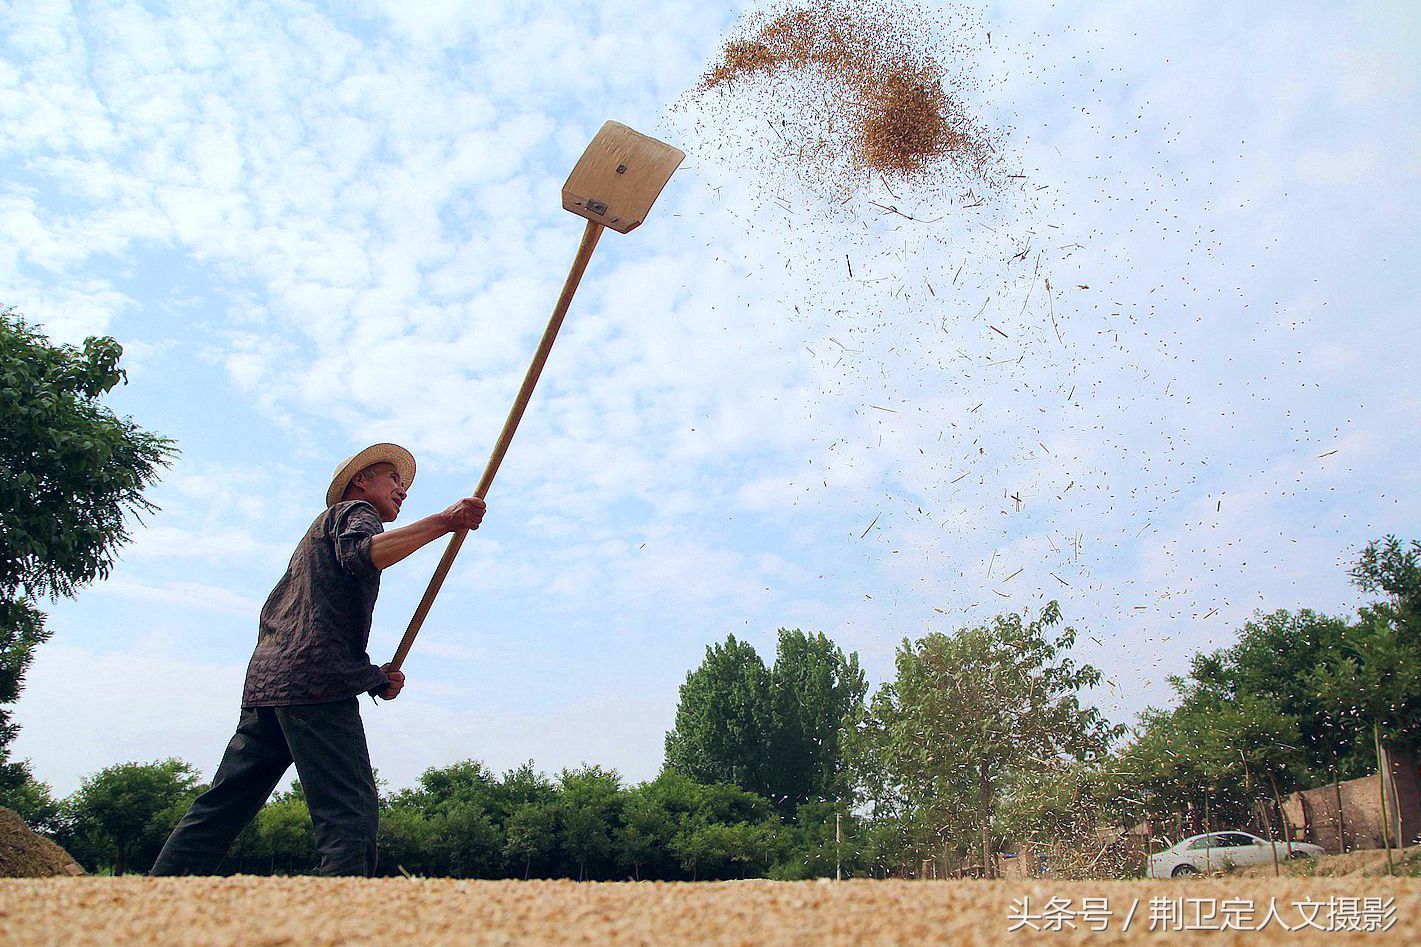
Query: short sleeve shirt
{"x": 315, "y": 626}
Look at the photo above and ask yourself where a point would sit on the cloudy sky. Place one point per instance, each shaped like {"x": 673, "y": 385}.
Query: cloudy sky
{"x": 777, "y": 404}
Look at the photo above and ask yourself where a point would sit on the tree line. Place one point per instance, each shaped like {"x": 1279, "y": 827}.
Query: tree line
{"x": 462, "y": 821}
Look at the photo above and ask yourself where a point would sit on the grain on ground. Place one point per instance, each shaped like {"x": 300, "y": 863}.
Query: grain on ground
{"x": 321, "y": 911}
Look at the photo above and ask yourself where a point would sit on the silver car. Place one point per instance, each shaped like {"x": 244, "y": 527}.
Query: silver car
{"x": 1220, "y": 850}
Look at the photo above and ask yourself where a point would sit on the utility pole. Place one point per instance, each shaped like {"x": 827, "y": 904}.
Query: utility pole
{"x": 838, "y": 856}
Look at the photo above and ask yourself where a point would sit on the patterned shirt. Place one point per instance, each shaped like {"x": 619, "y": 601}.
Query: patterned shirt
{"x": 315, "y": 625}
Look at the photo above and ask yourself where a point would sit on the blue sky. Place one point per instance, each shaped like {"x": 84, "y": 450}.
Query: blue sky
{"x": 313, "y": 227}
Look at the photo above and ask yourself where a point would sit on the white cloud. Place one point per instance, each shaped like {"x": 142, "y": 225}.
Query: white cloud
{"x": 190, "y": 595}
{"x": 222, "y": 545}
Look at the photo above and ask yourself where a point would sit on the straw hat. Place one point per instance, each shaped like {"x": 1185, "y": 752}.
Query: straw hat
{"x": 374, "y": 454}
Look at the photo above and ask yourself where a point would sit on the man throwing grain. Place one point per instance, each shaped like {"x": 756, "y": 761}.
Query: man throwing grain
{"x": 300, "y": 700}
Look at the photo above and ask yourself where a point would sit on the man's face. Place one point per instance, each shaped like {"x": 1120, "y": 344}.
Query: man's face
{"x": 382, "y": 489}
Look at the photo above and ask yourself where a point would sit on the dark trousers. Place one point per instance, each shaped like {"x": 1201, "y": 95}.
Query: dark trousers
{"x": 327, "y": 744}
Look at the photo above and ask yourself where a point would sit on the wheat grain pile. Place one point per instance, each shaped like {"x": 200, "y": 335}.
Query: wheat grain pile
{"x": 23, "y": 854}
{"x": 320, "y": 911}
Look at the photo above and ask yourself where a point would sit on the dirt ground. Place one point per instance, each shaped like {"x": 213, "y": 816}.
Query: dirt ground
{"x": 270, "y": 912}
{"x": 1368, "y": 863}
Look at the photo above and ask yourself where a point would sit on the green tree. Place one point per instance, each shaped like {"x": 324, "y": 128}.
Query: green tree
{"x": 772, "y": 731}
{"x": 966, "y": 711}
{"x": 22, "y": 630}
{"x": 120, "y": 816}
{"x": 823, "y": 841}
{"x": 467, "y": 843}
{"x": 1208, "y": 762}
{"x": 814, "y": 691}
{"x": 722, "y": 831}
{"x": 462, "y": 805}
{"x": 887, "y": 847}
{"x": 1272, "y": 660}
{"x": 530, "y": 836}
{"x": 728, "y": 850}
{"x": 1377, "y": 675}
{"x": 1392, "y": 569}
{"x": 71, "y": 473}
{"x": 723, "y": 719}
{"x": 465, "y": 781}
{"x": 1377, "y": 678}
{"x": 1155, "y": 774}
{"x": 518, "y": 787}
{"x": 588, "y": 814}
{"x": 405, "y": 841}
{"x": 34, "y": 802}
{"x": 525, "y": 803}
{"x": 646, "y": 830}
{"x": 655, "y": 814}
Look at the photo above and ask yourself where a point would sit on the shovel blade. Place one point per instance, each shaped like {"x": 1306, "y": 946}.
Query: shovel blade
{"x": 619, "y": 177}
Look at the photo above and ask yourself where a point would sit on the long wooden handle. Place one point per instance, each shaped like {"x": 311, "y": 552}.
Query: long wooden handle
{"x": 540, "y": 357}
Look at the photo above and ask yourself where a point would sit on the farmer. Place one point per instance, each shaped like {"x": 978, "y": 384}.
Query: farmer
{"x": 300, "y": 700}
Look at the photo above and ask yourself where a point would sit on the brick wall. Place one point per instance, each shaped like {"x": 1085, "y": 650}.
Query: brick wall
{"x": 1316, "y": 816}
{"x": 1314, "y": 813}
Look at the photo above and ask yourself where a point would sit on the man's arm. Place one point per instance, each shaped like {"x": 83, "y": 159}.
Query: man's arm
{"x": 390, "y": 547}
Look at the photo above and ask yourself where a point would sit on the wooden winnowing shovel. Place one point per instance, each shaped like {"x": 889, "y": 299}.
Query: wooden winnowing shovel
{"x": 613, "y": 185}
